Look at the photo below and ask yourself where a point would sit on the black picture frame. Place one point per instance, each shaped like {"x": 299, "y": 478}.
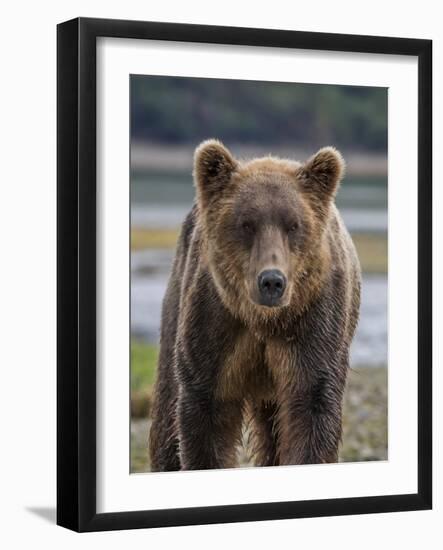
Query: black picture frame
{"x": 76, "y": 273}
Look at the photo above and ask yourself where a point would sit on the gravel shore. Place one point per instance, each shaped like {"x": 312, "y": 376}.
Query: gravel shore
{"x": 365, "y": 434}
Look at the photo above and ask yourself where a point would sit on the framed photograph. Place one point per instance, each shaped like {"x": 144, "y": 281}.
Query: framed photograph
{"x": 244, "y": 274}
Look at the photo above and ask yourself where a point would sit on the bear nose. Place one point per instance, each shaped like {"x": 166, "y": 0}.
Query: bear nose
{"x": 272, "y": 284}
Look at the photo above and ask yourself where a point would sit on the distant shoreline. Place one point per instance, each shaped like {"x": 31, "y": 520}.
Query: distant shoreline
{"x": 178, "y": 158}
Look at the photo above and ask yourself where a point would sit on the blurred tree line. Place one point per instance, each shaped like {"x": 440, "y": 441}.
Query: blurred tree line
{"x": 182, "y": 110}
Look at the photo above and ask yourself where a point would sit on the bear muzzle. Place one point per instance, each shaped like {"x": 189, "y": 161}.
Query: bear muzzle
{"x": 271, "y": 287}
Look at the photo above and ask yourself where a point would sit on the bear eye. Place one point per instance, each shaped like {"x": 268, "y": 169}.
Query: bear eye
{"x": 293, "y": 227}
{"x": 247, "y": 227}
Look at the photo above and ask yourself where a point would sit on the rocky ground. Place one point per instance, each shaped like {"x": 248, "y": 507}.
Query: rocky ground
{"x": 365, "y": 418}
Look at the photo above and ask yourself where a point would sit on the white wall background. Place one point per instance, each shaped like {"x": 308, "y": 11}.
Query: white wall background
{"x": 27, "y": 274}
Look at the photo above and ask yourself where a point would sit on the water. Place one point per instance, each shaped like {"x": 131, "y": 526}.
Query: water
{"x": 149, "y": 277}
{"x": 162, "y": 201}
{"x": 177, "y": 189}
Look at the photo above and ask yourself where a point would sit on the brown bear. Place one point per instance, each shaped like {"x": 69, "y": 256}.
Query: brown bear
{"x": 258, "y": 317}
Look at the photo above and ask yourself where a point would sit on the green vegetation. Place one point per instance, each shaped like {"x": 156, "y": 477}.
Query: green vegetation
{"x": 186, "y": 110}
{"x": 142, "y": 238}
{"x": 143, "y": 365}
{"x": 143, "y": 372}
{"x": 372, "y": 250}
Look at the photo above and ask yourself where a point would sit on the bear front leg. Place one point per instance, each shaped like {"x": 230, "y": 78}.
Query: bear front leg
{"x": 209, "y": 431}
{"x": 264, "y": 434}
{"x": 310, "y": 421}
{"x": 208, "y": 424}
{"x": 163, "y": 442}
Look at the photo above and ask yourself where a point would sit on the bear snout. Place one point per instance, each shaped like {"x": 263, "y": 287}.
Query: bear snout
{"x": 271, "y": 286}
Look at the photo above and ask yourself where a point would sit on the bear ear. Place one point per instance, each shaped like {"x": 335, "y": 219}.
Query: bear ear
{"x": 213, "y": 167}
{"x": 322, "y": 173}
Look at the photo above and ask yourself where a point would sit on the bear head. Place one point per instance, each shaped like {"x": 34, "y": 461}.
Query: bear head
{"x": 263, "y": 223}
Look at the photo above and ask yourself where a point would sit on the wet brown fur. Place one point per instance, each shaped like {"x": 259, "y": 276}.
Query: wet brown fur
{"x": 224, "y": 358}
